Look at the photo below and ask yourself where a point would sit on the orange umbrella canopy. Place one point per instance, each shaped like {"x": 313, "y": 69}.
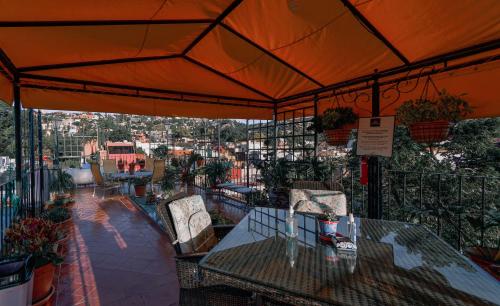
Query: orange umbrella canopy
{"x": 245, "y": 59}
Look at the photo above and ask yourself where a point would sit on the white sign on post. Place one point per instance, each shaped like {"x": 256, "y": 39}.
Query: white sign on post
{"x": 375, "y": 136}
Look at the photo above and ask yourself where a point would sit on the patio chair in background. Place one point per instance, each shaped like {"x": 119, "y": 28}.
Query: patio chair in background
{"x": 158, "y": 172}
{"x": 312, "y": 200}
{"x": 109, "y": 166}
{"x": 100, "y": 183}
{"x": 189, "y": 228}
{"x": 149, "y": 164}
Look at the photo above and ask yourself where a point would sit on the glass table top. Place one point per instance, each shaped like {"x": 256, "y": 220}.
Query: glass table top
{"x": 396, "y": 263}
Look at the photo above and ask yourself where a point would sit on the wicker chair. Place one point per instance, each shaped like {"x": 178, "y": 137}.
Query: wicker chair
{"x": 149, "y": 164}
{"x": 100, "y": 183}
{"x": 194, "y": 289}
{"x": 158, "y": 172}
{"x": 109, "y": 166}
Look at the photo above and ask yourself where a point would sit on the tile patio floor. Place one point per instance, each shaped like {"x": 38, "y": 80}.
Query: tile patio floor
{"x": 116, "y": 256}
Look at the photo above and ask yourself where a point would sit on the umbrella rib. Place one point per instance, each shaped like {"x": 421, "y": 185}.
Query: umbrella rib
{"x": 208, "y": 29}
{"x": 372, "y": 29}
{"x": 131, "y": 87}
{"x": 84, "y": 23}
{"x": 187, "y": 100}
{"x": 98, "y": 62}
{"x": 217, "y": 72}
{"x": 272, "y": 55}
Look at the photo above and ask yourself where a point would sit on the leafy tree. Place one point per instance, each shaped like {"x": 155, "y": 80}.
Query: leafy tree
{"x": 160, "y": 152}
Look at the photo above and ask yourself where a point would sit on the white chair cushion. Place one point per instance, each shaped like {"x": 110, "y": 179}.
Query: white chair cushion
{"x": 307, "y": 200}
{"x": 190, "y": 219}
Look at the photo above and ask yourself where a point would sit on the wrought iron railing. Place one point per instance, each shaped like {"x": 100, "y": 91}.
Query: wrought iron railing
{"x": 30, "y": 200}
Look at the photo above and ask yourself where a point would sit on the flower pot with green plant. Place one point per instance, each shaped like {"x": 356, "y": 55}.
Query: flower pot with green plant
{"x": 187, "y": 169}
{"x": 131, "y": 168}
{"x": 60, "y": 216}
{"x": 140, "y": 184}
{"x": 36, "y": 236}
{"x": 59, "y": 202}
{"x": 276, "y": 177}
{"x": 169, "y": 181}
{"x": 218, "y": 172}
{"x": 328, "y": 222}
{"x": 61, "y": 185}
{"x": 337, "y": 124}
{"x": 150, "y": 197}
{"x": 121, "y": 165}
{"x": 429, "y": 119}
{"x": 487, "y": 257}
{"x": 141, "y": 163}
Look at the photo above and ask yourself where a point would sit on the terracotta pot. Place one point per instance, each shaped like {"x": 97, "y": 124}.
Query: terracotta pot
{"x": 66, "y": 226}
{"x": 48, "y": 300}
{"x": 140, "y": 190}
{"x": 485, "y": 257}
{"x": 61, "y": 196}
{"x": 430, "y": 132}
{"x": 339, "y": 137}
{"x": 42, "y": 282}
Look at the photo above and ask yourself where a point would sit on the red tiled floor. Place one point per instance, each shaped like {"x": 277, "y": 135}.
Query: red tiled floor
{"x": 116, "y": 256}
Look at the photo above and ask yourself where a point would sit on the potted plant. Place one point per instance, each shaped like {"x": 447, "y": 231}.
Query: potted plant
{"x": 141, "y": 163}
{"x": 328, "y": 222}
{"x": 60, "y": 216}
{"x": 61, "y": 185}
{"x": 336, "y": 123}
{"x": 487, "y": 257}
{"x": 150, "y": 197}
{"x": 131, "y": 168}
{"x": 140, "y": 186}
{"x": 218, "y": 172}
{"x": 121, "y": 165}
{"x": 429, "y": 119}
{"x": 169, "y": 181}
{"x": 37, "y": 237}
{"x": 59, "y": 202}
{"x": 188, "y": 173}
{"x": 276, "y": 178}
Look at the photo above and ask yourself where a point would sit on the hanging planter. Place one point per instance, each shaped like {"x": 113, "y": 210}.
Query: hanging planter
{"x": 430, "y": 131}
{"x": 340, "y": 136}
{"x": 429, "y": 119}
{"x": 337, "y": 124}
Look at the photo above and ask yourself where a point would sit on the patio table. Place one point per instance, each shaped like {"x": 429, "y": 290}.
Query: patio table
{"x": 396, "y": 264}
{"x": 126, "y": 176}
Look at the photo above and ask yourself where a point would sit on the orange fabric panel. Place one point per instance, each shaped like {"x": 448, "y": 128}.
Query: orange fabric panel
{"x": 43, "y": 10}
{"x": 173, "y": 74}
{"x": 236, "y": 58}
{"x": 424, "y": 28}
{"x": 479, "y": 85}
{"x": 55, "y": 45}
{"x": 73, "y": 101}
{"x": 320, "y": 38}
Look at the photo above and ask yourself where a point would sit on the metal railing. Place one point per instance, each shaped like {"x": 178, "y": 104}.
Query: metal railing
{"x": 30, "y": 201}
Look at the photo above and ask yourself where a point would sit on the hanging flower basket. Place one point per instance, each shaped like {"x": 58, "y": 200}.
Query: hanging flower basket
{"x": 336, "y": 124}
{"x": 340, "y": 136}
{"x": 430, "y": 131}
